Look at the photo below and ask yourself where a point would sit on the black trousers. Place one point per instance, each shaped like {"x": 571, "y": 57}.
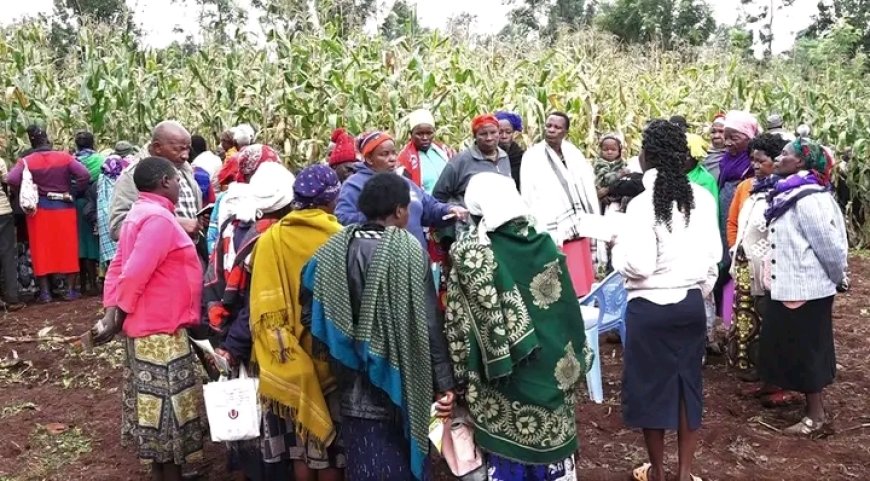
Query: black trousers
{"x": 8, "y": 259}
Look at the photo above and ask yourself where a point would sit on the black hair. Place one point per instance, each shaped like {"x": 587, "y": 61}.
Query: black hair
{"x": 564, "y": 116}
{"x": 84, "y": 140}
{"x": 37, "y": 136}
{"x": 151, "y": 171}
{"x": 770, "y": 144}
{"x": 383, "y": 194}
{"x": 198, "y": 145}
{"x": 666, "y": 149}
{"x": 680, "y": 122}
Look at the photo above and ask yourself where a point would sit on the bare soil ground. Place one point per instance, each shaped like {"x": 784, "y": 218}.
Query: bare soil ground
{"x": 60, "y": 409}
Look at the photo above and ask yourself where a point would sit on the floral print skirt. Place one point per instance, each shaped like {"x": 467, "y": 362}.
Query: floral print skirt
{"x": 162, "y": 399}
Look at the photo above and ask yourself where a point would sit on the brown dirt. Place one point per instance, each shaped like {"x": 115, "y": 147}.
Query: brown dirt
{"x": 81, "y": 391}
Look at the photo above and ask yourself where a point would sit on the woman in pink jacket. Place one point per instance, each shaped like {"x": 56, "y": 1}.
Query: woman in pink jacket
{"x": 152, "y": 291}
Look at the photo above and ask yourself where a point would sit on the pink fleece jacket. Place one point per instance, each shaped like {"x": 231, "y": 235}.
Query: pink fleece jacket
{"x": 156, "y": 276}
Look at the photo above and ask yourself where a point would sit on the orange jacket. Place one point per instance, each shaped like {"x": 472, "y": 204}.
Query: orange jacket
{"x": 740, "y": 196}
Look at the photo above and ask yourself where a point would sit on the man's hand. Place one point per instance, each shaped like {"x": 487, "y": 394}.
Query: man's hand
{"x": 444, "y": 404}
{"x": 603, "y": 192}
{"x": 190, "y": 226}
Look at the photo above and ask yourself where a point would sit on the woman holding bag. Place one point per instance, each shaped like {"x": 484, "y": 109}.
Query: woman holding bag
{"x": 516, "y": 337}
{"x": 559, "y": 187}
{"x": 152, "y": 290}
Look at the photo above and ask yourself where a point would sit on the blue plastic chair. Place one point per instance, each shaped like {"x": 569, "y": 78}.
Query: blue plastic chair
{"x": 603, "y": 310}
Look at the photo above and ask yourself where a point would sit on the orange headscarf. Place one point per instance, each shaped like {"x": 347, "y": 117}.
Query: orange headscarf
{"x": 370, "y": 141}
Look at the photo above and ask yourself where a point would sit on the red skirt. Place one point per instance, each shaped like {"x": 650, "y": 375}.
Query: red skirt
{"x": 578, "y": 255}
{"x": 54, "y": 240}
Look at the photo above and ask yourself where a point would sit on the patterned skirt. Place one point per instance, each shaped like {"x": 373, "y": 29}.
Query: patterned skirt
{"x": 742, "y": 340}
{"x": 501, "y": 469}
{"x": 280, "y": 443}
{"x": 162, "y": 399}
{"x": 376, "y": 451}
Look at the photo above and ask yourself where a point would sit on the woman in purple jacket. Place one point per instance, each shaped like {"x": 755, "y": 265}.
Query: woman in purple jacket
{"x": 52, "y": 228}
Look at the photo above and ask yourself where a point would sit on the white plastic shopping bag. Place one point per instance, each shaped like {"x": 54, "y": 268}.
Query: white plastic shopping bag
{"x": 28, "y": 193}
{"x": 233, "y": 408}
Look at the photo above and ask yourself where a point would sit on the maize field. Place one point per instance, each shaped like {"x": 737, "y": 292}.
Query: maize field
{"x": 294, "y": 89}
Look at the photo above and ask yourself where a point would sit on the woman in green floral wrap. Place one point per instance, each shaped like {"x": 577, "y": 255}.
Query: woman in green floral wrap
{"x": 516, "y": 337}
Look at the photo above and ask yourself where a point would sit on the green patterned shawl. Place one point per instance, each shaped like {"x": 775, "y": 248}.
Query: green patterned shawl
{"x": 516, "y": 337}
{"x": 389, "y": 339}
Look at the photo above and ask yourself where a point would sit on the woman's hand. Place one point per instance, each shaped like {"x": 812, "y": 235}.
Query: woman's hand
{"x": 444, "y": 404}
{"x": 459, "y": 213}
{"x": 106, "y": 328}
{"x": 226, "y": 355}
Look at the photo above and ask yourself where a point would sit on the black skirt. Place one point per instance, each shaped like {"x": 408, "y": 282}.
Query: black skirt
{"x": 664, "y": 350}
{"x": 796, "y": 351}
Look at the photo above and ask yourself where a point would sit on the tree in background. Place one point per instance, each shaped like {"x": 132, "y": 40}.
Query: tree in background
{"x": 840, "y": 13}
{"x": 346, "y": 16}
{"x": 218, "y": 17}
{"x": 547, "y": 17}
{"x": 759, "y": 15}
{"x": 70, "y": 14}
{"x": 459, "y": 26}
{"x": 401, "y": 21}
{"x": 666, "y": 22}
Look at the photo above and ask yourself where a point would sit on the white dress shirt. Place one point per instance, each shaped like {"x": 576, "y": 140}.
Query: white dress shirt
{"x": 660, "y": 265}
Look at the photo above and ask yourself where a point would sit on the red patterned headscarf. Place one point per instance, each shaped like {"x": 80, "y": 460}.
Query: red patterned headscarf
{"x": 251, "y": 157}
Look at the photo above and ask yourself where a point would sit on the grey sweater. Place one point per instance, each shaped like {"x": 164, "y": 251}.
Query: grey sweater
{"x": 126, "y": 194}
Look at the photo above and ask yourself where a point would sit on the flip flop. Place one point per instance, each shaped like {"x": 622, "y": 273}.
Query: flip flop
{"x": 641, "y": 473}
{"x": 695, "y": 478}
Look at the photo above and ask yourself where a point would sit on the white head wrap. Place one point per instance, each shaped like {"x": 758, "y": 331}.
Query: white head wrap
{"x": 208, "y": 162}
{"x": 421, "y": 117}
{"x": 271, "y": 189}
{"x": 495, "y": 198}
{"x": 243, "y": 135}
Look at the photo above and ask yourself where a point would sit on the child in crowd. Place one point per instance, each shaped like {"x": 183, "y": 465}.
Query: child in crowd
{"x": 615, "y": 184}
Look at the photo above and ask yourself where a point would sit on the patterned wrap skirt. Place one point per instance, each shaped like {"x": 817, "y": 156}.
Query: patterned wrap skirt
{"x": 501, "y": 469}
{"x": 162, "y": 399}
{"x": 281, "y": 443}
{"x": 377, "y": 451}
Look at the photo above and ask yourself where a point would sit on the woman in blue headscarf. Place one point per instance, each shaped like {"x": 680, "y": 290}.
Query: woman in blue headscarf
{"x": 510, "y": 125}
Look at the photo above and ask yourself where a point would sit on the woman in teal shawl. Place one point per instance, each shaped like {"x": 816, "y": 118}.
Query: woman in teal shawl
{"x": 89, "y": 244}
{"x": 516, "y": 337}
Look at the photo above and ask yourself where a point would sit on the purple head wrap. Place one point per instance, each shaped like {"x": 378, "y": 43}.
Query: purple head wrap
{"x": 315, "y": 185}
{"x": 515, "y": 120}
{"x": 114, "y": 164}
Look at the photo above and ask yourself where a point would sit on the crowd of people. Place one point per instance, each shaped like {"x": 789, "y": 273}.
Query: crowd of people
{"x": 387, "y": 285}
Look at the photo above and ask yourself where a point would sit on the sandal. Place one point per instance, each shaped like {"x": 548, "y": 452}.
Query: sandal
{"x": 72, "y": 295}
{"x": 805, "y": 427}
{"x": 44, "y": 298}
{"x": 695, "y": 478}
{"x": 641, "y": 473}
{"x": 781, "y": 399}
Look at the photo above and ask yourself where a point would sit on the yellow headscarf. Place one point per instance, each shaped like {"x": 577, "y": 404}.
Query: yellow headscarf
{"x": 294, "y": 378}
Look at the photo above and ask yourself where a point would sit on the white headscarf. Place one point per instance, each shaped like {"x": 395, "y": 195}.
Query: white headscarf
{"x": 243, "y": 135}
{"x": 270, "y": 190}
{"x": 494, "y": 197}
{"x": 421, "y": 117}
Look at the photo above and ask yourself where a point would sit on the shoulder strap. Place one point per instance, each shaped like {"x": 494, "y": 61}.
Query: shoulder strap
{"x": 564, "y": 182}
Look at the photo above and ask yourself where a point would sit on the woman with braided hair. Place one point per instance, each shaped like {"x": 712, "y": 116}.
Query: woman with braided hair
{"x": 668, "y": 259}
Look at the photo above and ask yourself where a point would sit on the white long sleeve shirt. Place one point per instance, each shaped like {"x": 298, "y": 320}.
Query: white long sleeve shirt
{"x": 660, "y": 265}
